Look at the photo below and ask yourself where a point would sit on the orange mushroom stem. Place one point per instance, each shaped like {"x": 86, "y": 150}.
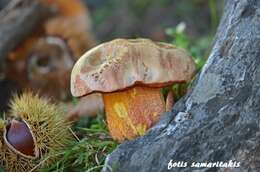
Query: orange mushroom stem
{"x": 131, "y": 112}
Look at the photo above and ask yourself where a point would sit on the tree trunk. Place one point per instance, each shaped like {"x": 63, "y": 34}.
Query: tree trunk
{"x": 219, "y": 118}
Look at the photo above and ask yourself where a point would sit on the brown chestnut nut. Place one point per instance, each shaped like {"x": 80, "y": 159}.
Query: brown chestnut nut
{"x": 20, "y": 139}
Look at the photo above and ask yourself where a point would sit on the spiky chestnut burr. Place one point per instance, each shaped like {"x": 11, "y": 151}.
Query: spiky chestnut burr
{"x": 33, "y": 134}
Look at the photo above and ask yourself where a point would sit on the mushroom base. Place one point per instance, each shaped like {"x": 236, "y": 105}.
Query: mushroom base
{"x": 131, "y": 112}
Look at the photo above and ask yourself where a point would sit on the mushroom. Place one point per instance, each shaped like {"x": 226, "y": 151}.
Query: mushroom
{"x": 130, "y": 74}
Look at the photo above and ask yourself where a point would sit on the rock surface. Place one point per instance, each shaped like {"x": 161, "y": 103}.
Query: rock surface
{"x": 219, "y": 118}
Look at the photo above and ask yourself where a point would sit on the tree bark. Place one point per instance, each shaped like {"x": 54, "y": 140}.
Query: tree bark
{"x": 219, "y": 118}
{"x": 18, "y": 20}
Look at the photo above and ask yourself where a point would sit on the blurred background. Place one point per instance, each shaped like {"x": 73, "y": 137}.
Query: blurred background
{"x": 150, "y": 18}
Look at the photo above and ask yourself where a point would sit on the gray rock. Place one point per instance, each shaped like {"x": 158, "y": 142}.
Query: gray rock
{"x": 220, "y": 116}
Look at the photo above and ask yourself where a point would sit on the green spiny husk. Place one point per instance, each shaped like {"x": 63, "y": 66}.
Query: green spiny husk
{"x": 50, "y": 129}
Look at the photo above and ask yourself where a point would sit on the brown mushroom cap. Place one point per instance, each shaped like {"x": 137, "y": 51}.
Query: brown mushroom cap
{"x": 123, "y": 63}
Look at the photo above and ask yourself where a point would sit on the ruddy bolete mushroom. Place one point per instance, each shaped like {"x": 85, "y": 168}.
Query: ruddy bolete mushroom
{"x": 130, "y": 73}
